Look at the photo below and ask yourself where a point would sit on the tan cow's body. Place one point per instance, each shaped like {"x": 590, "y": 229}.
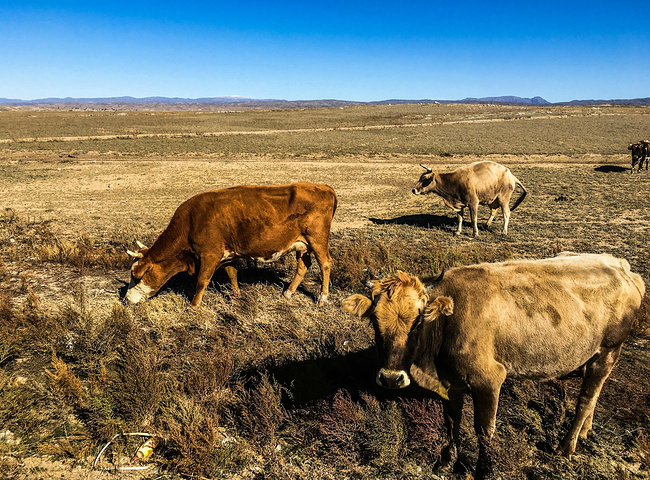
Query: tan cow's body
{"x": 522, "y": 319}
{"x": 479, "y": 183}
{"x": 213, "y": 228}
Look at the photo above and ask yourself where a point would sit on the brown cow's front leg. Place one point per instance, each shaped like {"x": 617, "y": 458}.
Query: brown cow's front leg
{"x": 209, "y": 264}
{"x": 597, "y": 371}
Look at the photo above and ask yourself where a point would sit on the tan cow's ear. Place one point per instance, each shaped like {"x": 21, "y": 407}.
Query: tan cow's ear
{"x": 441, "y": 305}
{"x": 357, "y": 304}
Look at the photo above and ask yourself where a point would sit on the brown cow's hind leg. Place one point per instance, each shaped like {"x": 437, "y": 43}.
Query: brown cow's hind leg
{"x": 232, "y": 275}
{"x": 303, "y": 260}
{"x": 322, "y": 254}
{"x": 597, "y": 371}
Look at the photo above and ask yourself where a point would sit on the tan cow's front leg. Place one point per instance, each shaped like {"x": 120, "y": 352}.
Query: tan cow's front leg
{"x": 453, "y": 412}
{"x": 485, "y": 396}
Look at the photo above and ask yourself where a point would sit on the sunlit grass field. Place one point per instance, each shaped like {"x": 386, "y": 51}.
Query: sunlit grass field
{"x": 259, "y": 387}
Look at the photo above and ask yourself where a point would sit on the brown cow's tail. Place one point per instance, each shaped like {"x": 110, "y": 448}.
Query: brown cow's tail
{"x": 521, "y": 197}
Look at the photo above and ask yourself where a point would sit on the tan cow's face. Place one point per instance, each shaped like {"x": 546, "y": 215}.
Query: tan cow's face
{"x": 398, "y": 309}
{"x": 425, "y": 184}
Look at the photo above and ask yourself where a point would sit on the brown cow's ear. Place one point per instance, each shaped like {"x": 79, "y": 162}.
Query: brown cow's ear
{"x": 441, "y": 305}
{"x": 357, "y": 304}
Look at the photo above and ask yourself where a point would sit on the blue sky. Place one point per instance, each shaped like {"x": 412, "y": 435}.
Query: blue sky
{"x": 348, "y": 50}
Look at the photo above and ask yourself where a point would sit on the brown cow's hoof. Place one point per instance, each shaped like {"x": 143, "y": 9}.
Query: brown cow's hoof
{"x": 322, "y": 300}
{"x": 287, "y": 294}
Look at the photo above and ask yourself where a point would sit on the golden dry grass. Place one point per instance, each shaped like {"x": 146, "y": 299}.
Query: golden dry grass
{"x": 259, "y": 387}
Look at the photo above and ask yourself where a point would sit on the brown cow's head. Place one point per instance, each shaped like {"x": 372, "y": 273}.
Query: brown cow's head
{"x": 398, "y": 309}
{"x": 426, "y": 183}
{"x": 149, "y": 275}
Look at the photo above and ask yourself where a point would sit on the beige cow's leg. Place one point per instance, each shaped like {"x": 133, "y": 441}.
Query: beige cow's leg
{"x": 485, "y": 395}
{"x": 493, "y": 214}
{"x": 505, "y": 209}
{"x": 597, "y": 371}
{"x": 460, "y": 214}
{"x": 473, "y": 215}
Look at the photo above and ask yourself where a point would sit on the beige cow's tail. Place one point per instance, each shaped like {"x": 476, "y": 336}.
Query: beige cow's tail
{"x": 521, "y": 197}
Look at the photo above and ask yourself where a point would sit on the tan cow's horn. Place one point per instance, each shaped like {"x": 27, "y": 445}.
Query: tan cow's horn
{"x": 140, "y": 244}
{"x": 426, "y": 168}
{"x": 135, "y": 254}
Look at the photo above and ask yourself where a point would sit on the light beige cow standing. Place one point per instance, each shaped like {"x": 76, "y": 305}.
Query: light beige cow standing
{"x": 479, "y": 183}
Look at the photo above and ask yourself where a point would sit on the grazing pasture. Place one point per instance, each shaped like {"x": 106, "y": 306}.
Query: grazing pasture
{"x": 255, "y": 386}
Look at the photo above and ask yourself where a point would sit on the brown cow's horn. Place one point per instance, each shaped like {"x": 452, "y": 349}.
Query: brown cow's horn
{"x": 428, "y": 284}
{"x": 426, "y": 168}
{"x": 135, "y": 254}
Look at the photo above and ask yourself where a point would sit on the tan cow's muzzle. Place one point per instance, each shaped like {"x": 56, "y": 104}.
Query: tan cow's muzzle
{"x": 393, "y": 378}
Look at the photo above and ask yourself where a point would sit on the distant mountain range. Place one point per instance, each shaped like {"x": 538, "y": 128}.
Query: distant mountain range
{"x": 271, "y": 103}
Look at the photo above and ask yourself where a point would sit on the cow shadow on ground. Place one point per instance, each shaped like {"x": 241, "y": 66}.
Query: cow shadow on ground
{"x": 611, "y": 169}
{"x": 423, "y": 220}
{"x": 307, "y": 381}
{"x": 184, "y": 284}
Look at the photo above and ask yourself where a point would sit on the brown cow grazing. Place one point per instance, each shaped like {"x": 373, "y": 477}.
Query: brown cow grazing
{"x": 479, "y": 183}
{"x": 469, "y": 331}
{"x": 214, "y": 228}
{"x": 640, "y": 152}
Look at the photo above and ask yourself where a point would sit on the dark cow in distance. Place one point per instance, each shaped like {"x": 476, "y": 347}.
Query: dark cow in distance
{"x": 479, "y": 183}
{"x": 480, "y": 324}
{"x": 640, "y": 153}
{"x": 214, "y": 228}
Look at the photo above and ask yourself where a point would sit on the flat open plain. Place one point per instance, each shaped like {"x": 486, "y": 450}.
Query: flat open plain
{"x": 76, "y": 186}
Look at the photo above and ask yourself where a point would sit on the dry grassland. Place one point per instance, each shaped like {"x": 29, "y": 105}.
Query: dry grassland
{"x": 257, "y": 387}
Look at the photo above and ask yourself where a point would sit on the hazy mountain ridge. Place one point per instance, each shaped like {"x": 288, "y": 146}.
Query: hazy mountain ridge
{"x": 277, "y": 103}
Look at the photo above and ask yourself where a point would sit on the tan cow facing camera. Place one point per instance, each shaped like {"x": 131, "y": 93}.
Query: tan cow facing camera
{"x": 480, "y": 324}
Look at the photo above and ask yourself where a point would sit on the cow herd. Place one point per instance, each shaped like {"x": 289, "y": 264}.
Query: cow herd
{"x": 463, "y": 332}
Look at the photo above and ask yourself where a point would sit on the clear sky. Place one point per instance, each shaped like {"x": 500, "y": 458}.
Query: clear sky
{"x": 306, "y": 50}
